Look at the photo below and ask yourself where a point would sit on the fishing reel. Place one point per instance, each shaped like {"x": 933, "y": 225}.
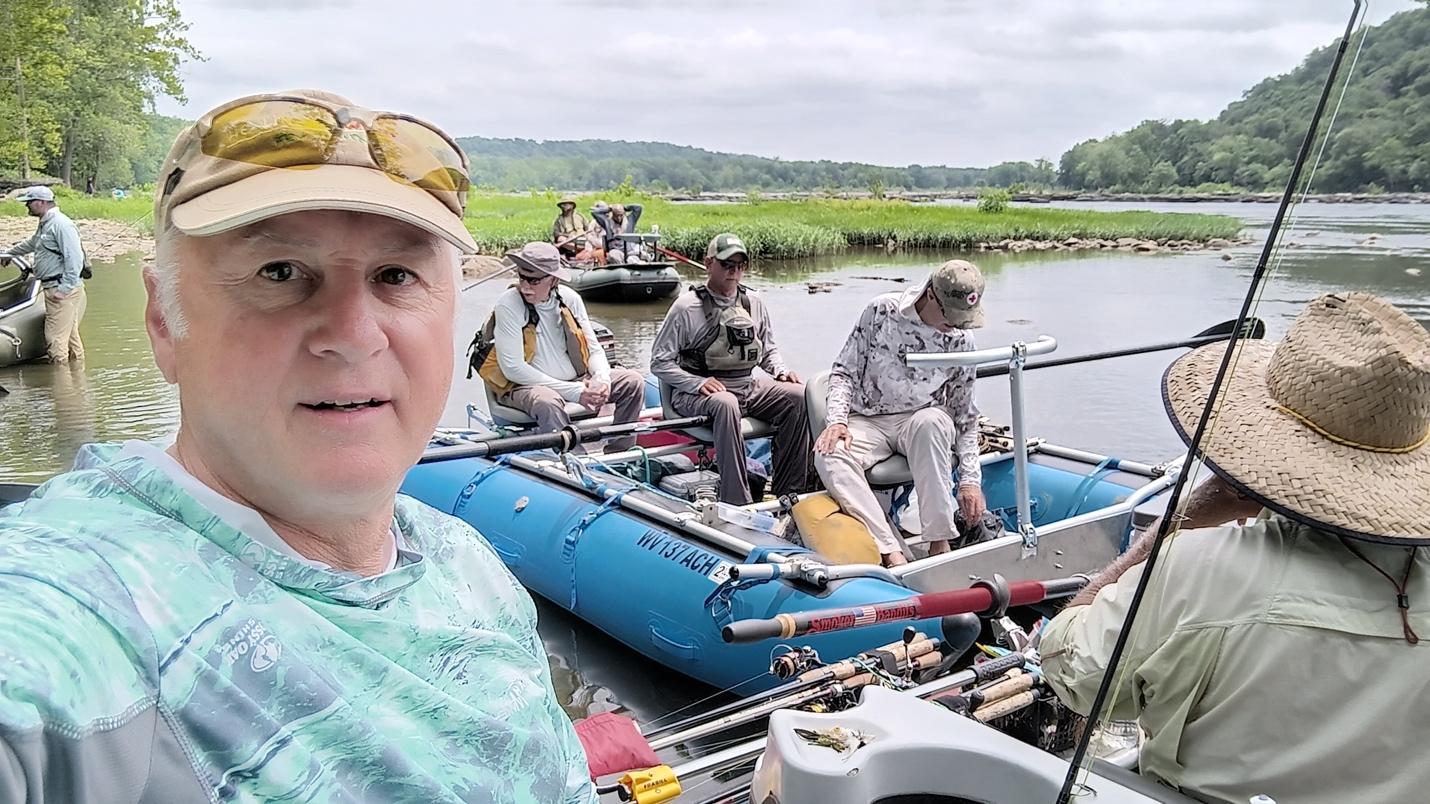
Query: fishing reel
{"x": 794, "y": 661}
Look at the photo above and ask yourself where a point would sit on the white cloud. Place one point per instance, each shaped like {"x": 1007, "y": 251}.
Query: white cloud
{"x": 926, "y": 81}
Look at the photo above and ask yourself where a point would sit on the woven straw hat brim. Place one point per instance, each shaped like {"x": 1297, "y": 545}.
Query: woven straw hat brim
{"x": 1375, "y": 496}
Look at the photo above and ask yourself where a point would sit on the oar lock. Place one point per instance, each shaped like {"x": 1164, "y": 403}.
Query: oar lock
{"x": 999, "y": 591}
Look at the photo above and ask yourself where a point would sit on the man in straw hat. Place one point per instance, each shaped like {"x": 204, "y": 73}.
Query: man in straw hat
{"x": 879, "y": 405}
{"x": 252, "y": 612}
{"x": 545, "y": 353}
{"x": 569, "y": 231}
{"x": 1282, "y": 657}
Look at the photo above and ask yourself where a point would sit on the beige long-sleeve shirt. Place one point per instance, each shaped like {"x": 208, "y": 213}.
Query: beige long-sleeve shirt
{"x": 1265, "y": 659}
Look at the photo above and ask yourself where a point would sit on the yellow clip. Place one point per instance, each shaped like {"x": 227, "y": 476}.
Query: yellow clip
{"x": 652, "y": 785}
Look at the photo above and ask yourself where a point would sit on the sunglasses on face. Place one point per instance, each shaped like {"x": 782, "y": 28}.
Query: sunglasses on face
{"x": 295, "y": 133}
{"x": 734, "y": 265}
{"x": 529, "y": 279}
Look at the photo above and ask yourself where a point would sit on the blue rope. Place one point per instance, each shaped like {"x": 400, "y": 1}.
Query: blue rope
{"x": 568, "y": 547}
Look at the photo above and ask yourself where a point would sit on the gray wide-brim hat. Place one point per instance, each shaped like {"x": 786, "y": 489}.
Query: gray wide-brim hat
{"x": 1330, "y": 427}
{"x": 541, "y": 257}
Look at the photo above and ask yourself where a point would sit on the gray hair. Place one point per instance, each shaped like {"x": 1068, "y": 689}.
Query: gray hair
{"x": 165, "y": 270}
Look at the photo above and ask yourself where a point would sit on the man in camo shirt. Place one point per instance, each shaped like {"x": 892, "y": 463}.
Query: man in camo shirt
{"x": 879, "y": 405}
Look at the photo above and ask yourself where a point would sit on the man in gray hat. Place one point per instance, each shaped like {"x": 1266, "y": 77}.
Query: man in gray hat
{"x": 879, "y": 405}
{"x": 713, "y": 338}
{"x": 546, "y": 353}
{"x": 1281, "y": 657}
{"x": 58, "y": 263}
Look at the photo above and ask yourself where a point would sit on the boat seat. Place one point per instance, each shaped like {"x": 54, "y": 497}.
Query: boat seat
{"x": 889, "y": 473}
{"x": 505, "y": 415}
{"x": 749, "y": 427}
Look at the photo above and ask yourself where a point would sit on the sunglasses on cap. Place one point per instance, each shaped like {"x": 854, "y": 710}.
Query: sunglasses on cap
{"x": 305, "y": 132}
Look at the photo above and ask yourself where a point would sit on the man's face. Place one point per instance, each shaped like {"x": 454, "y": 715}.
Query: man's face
{"x": 534, "y": 286}
{"x": 317, "y": 359}
{"x": 566, "y": 209}
{"x": 726, "y": 274}
{"x": 35, "y": 208}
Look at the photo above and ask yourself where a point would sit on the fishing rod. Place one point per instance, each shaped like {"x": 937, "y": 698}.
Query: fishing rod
{"x": 1252, "y": 328}
{"x": 504, "y": 268}
{"x": 1258, "y": 278}
{"x": 986, "y": 598}
{"x": 661, "y": 783}
{"x": 562, "y": 440}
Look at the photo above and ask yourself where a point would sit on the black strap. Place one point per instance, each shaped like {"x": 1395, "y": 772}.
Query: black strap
{"x": 1402, "y": 600}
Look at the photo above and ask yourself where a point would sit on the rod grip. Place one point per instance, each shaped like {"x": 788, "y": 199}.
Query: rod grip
{"x": 997, "y": 667}
{"x": 779, "y": 627}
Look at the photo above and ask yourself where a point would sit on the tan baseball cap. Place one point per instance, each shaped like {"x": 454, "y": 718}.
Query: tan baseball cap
{"x": 958, "y": 287}
{"x": 261, "y": 156}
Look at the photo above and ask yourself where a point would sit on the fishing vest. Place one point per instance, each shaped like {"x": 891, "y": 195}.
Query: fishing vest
{"x": 482, "y": 353}
{"x": 566, "y": 227}
{"x": 728, "y": 345}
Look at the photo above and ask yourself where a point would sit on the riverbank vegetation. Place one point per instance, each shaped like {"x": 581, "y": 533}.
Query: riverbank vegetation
{"x": 810, "y": 227}
{"x": 774, "y": 229}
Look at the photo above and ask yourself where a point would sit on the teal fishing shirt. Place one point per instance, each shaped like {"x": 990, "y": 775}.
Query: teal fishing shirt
{"x": 149, "y": 652}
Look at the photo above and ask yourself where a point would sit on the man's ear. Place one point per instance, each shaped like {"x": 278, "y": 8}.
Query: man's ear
{"x": 161, "y": 338}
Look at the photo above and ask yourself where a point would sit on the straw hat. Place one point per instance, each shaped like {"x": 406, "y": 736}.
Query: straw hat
{"x": 1330, "y": 427}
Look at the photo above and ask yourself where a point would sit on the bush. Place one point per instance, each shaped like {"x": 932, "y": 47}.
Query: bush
{"x": 994, "y": 200}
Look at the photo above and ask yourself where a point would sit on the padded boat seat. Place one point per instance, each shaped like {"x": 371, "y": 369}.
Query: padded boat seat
{"x": 749, "y": 427}
{"x": 888, "y": 473}
{"x": 503, "y": 414}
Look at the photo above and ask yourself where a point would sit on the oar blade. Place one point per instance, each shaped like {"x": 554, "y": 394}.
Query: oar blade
{"x": 1254, "y": 329}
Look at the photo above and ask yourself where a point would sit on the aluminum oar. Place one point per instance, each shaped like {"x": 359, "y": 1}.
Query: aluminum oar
{"x": 562, "y": 440}
{"x": 1254, "y": 328}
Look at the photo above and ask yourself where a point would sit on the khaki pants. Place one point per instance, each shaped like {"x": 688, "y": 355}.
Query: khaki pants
{"x": 925, "y": 437}
{"x": 549, "y": 407}
{"x": 62, "y": 317}
{"x": 779, "y": 403}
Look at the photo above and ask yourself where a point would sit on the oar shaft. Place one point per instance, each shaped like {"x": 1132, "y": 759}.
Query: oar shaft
{"x": 560, "y": 440}
{"x": 976, "y": 600}
{"x": 1189, "y": 343}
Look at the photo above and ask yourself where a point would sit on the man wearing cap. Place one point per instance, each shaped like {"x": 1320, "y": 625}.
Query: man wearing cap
{"x": 1282, "y": 657}
{"x": 546, "y": 352}
{"x": 713, "y": 338}
{"x": 879, "y": 405}
{"x": 568, "y": 231}
{"x": 253, "y": 612}
{"x": 58, "y": 262}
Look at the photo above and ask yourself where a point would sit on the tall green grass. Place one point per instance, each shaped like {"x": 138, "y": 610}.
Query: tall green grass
{"x": 812, "y": 227}
{"x": 772, "y": 229}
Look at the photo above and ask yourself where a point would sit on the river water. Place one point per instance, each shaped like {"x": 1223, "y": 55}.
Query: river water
{"x": 1088, "y": 301}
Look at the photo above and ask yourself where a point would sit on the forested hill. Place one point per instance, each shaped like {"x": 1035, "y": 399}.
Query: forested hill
{"x": 1381, "y": 139}
{"x": 518, "y": 164}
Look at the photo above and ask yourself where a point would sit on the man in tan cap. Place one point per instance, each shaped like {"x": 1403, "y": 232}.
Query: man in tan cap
{"x": 713, "y": 338}
{"x": 252, "y": 612}
{"x": 545, "y": 353}
{"x": 879, "y": 405}
{"x": 1282, "y": 657}
{"x": 569, "y": 231}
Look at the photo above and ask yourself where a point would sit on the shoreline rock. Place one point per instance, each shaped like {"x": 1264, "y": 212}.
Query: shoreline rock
{"x": 1133, "y": 244}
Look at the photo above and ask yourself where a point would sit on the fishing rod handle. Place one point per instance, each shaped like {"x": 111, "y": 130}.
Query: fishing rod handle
{"x": 779, "y": 626}
{"x": 993, "y": 668}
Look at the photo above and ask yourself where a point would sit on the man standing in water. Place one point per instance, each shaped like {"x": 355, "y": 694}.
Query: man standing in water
{"x": 879, "y": 405}
{"x": 58, "y": 264}
{"x": 252, "y": 612}
{"x": 713, "y": 338}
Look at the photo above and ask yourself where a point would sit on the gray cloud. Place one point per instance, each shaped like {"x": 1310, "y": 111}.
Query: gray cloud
{"x": 927, "y": 81}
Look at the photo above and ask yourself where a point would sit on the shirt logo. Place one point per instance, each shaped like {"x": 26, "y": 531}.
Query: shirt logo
{"x": 265, "y": 654}
{"x": 254, "y": 640}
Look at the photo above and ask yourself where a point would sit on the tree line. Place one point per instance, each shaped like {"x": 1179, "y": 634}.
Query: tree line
{"x": 77, "y": 78}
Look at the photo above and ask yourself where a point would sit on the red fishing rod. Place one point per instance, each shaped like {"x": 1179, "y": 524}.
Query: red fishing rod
{"x": 986, "y": 598}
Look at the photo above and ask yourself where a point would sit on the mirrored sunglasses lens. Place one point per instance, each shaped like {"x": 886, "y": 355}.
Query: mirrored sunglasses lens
{"x": 414, "y": 152}
{"x": 272, "y": 133}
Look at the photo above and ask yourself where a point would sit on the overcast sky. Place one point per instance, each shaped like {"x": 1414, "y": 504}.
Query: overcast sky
{"x": 955, "y": 82}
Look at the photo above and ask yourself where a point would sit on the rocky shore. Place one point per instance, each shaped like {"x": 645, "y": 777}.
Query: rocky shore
{"x": 1120, "y": 244}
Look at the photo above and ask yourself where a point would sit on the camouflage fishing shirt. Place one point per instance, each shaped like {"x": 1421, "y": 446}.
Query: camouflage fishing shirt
{"x": 870, "y": 377}
{"x": 149, "y": 652}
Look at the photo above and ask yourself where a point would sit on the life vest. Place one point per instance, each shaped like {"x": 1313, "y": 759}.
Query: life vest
{"x": 728, "y": 346}
{"x": 482, "y": 353}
